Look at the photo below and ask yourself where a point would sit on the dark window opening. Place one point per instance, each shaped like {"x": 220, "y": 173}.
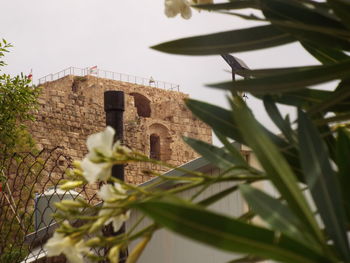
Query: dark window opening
{"x": 142, "y": 105}
{"x": 75, "y": 86}
{"x": 154, "y": 147}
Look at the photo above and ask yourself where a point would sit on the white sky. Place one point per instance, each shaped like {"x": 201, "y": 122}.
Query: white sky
{"x": 51, "y": 35}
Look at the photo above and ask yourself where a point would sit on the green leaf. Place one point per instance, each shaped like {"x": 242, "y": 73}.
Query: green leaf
{"x": 276, "y": 214}
{"x": 216, "y": 197}
{"x": 293, "y": 80}
{"x": 278, "y": 120}
{"x": 342, "y": 10}
{"x": 227, "y": 233}
{"x": 221, "y": 121}
{"x": 237, "y": 4}
{"x": 322, "y": 182}
{"x": 227, "y": 42}
{"x": 307, "y": 98}
{"x": 232, "y": 147}
{"x": 325, "y": 55}
{"x": 246, "y": 259}
{"x": 256, "y": 73}
{"x": 235, "y": 150}
{"x": 275, "y": 166}
{"x": 327, "y": 134}
{"x": 217, "y": 156}
{"x": 343, "y": 153}
{"x": 218, "y": 118}
{"x": 306, "y": 24}
{"x": 338, "y": 97}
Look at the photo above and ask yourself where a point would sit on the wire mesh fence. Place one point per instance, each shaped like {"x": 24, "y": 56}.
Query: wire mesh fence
{"x": 28, "y": 190}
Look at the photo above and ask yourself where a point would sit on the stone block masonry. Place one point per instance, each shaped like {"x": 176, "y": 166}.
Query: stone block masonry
{"x": 71, "y": 108}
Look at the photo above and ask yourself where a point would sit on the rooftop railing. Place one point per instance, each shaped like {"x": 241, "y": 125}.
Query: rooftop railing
{"x": 109, "y": 75}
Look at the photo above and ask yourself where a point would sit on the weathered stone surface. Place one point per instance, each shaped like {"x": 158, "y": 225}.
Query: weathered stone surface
{"x": 71, "y": 108}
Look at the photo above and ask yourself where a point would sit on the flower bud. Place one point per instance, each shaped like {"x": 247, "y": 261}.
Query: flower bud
{"x": 136, "y": 253}
{"x": 113, "y": 254}
{"x": 98, "y": 224}
{"x": 72, "y": 204}
{"x": 93, "y": 242}
{"x": 69, "y": 185}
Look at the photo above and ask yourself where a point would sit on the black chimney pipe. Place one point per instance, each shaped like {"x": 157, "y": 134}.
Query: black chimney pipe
{"x": 114, "y": 107}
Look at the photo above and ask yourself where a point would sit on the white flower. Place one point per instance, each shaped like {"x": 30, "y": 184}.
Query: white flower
{"x": 93, "y": 171}
{"x": 59, "y": 243}
{"x": 174, "y": 7}
{"x": 100, "y": 143}
{"x": 117, "y": 221}
{"x": 97, "y": 164}
{"x": 110, "y": 193}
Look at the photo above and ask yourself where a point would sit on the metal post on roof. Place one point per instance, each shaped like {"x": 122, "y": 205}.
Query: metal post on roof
{"x": 238, "y": 67}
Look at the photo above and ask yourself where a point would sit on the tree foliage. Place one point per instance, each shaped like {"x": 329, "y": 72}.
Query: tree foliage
{"x": 18, "y": 100}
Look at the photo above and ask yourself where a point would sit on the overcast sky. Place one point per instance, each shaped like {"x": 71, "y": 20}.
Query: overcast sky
{"x": 50, "y": 35}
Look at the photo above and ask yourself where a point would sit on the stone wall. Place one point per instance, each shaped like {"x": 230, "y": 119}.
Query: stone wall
{"x": 71, "y": 108}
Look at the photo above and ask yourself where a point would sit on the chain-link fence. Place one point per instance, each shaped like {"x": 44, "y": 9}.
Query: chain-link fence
{"x": 28, "y": 190}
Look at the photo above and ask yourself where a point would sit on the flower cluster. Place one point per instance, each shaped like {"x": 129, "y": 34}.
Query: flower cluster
{"x": 118, "y": 197}
{"x": 95, "y": 167}
{"x": 72, "y": 249}
{"x": 182, "y": 7}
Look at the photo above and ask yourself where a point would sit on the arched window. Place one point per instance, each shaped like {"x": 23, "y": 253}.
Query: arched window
{"x": 154, "y": 142}
{"x": 159, "y": 142}
{"x": 142, "y": 105}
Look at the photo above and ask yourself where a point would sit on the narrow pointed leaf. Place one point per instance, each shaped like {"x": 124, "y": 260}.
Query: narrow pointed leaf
{"x": 216, "y": 117}
{"x": 216, "y": 197}
{"x": 233, "y": 148}
{"x": 327, "y": 134}
{"x": 275, "y": 166}
{"x": 278, "y": 120}
{"x": 320, "y": 8}
{"x": 246, "y": 259}
{"x": 221, "y": 121}
{"x": 325, "y": 55}
{"x": 339, "y": 96}
{"x": 217, "y": 156}
{"x": 291, "y": 81}
{"x": 343, "y": 153}
{"x": 237, "y": 4}
{"x": 318, "y": 28}
{"x": 322, "y": 182}
{"x": 227, "y": 233}
{"x": 308, "y": 98}
{"x": 342, "y": 10}
{"x": 227, "y": 42}
{"x": 276, "y": 214}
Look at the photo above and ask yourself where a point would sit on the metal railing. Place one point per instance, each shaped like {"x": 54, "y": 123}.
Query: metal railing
{"x": 109, "y": 75}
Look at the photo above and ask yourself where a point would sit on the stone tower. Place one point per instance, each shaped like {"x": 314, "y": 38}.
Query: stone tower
{"x": 71, "y": 108}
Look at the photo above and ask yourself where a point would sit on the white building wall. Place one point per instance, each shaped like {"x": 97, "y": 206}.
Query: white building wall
{"x": 166, "y": 247}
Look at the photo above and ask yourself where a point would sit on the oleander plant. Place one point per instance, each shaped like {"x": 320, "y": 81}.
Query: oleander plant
{"x": 308, "y": 157}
